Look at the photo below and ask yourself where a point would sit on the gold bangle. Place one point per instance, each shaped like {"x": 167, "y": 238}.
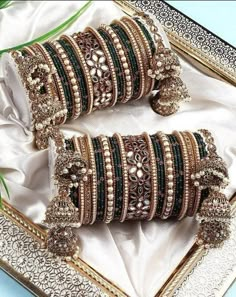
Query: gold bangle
{"x": 93, "y": 179}
{"x": 110, "y": 63}
{"x": 125, "y": 177}
{"x": 121, "y": 53}
{"x": 81, "y": 192}
{"x": 71, "y": 77}
{"x": 85, "y": 69}
{"x": 169, "y": 176}
{"x": 109, "y": 213}
{"x": 144, "y": 49}
{"x": 137, "y": 54}
{"x": 154, "y": 192}
{"x": 186, "y": 175}
{"x": 193, "y": 211}
{"x": 192, "y": 166}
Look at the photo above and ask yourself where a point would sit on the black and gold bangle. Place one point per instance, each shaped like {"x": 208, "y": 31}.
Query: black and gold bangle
{"x": 71, "y": 77}
{"x": 88, "y": 95}
{"x": 62, "y": 74}
{"x": 116, "y": 62}
{"x": 138, "y": 56}
{"x": 126, "y": 71}
{"x": 179, "y": 175}
{"x": 144, "y": 50}
{"x": 118, "y": 177}
{"x": 130, "y": 56}
{"x": 156, "y": 141}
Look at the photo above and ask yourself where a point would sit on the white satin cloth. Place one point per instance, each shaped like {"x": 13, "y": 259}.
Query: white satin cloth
{"x": 137, "y": 256}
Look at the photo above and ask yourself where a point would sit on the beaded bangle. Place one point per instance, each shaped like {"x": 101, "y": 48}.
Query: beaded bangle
{"x": 116, "y": 62}
{"x": 132, "y": 63}
{"x": 179, "y": 172}
{"x": 138, "y": 57}
{"x": 192, "y": 165}
{"x": 125, "y": 177}
{"x": 169, "y": 173}
{"x": 88, "y": 87}
{"x": 81, "y": 192}
{"x": 71, "y": 77}
{"x": 102, "y": 43}
{"x": 93, "y": 178}
{"x": 160, "y": 172}
{"x": 87, "y": 183}
{"x": 121, "y": 52}
{"x": 186, "y": 175}
{"x": 109, "y": 180}
{"x": 118, "y": 173}
{"x": 154, "y": 180}
{"x": 100, "y": 179}
{"x": 194, "y": 208}
{"x": 63, "y": 77}
{"x": 144, "y": 50}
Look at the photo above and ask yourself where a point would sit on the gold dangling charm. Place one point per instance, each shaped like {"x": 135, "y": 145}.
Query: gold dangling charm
{"x": 214, "y": 218}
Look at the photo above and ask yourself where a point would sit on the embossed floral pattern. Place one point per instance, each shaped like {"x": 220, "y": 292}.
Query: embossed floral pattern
{"x": 138, "y": 161}
{"x": 53, "y": 276}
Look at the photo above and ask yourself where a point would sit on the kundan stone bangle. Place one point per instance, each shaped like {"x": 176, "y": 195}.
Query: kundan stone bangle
{"x": 149, "y": 184}
{"x": 96, "y": 69}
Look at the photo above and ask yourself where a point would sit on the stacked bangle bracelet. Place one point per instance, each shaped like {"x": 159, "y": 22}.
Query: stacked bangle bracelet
{"x": 95, "y": 69}
{"x": 140, "y": 177}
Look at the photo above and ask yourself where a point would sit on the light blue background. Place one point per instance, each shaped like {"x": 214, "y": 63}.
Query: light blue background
{"x": 218, "y": 17}
{"x": 10, "y": 288}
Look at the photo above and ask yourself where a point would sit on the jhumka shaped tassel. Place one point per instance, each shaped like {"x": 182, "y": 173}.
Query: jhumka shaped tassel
{"x": 61, "y": 217}
{"x": 215, "y": 212}
{"x": 172, "y": 90}
{"x": 61, "y": 214}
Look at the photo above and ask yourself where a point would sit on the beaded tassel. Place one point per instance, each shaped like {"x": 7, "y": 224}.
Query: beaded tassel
{"x": 62, "y": 215}
{"x": 215, "y": 213}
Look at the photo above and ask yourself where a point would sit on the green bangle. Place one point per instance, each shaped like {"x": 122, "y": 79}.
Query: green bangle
{"x": 118, "y": 178}
{"x": 160, "y": 173}
{"x": 116, "y": 62}
{"x": 63, "y": 77}
{"x": 147, "y": 35}
{"x": 131, "y": 57}
{"x": 179, "y": 180}
{"x": 78, "y": 71}
{"x": 100, "y": 179}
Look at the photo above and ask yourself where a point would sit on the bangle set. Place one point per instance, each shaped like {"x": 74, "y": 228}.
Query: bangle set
{"x": 95, "y": 69}
{"x": 139, "y": 177}
{"x": 119, "y": 178}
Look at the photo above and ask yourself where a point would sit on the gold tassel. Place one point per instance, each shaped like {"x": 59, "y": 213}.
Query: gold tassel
{"x": 214, "y": 218}
{"x": 171, "y": 93}
{"x": 215, "y": 212}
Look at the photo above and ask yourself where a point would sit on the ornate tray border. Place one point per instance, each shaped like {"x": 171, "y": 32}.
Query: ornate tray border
{"x": 21, "y": 239}
{"x": 190, "y": 38}
{"x": 20, "y": 242}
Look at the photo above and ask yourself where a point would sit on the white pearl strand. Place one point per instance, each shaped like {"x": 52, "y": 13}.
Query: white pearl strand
{"x": 109, "y": 180}
{"x": 72, "y": 78}
{"x": 125, "y": 65}
{"x": 169, "y": 169}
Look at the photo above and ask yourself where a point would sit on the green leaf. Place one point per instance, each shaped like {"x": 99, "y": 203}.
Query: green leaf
{"x": 2, "y": 181}
{"x": 4, "y": 4}
{"x": 54, "y": 31}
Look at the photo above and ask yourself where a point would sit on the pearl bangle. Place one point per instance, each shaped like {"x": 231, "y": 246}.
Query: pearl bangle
{"x": 169, "y": 169}
{"x": 109, "y": 180}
